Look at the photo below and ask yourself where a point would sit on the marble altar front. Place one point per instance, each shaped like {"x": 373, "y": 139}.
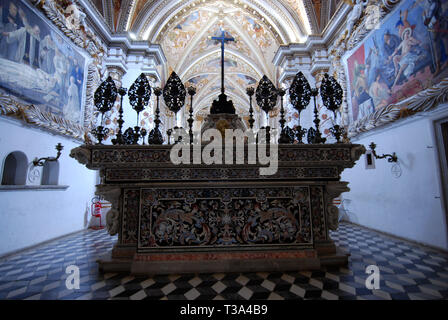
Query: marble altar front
{"x": 220, "y": 218}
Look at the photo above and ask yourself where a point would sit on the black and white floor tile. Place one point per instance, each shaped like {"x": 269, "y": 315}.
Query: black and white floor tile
{"x": 407, "y": 272}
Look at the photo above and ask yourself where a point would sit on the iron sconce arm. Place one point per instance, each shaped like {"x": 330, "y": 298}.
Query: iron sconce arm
{"x": 390, "y": 157}
{"x": 40, "y": 162}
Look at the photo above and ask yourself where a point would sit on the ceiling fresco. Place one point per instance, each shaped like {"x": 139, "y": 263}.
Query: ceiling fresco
{"x": 192, "y": 53}
{"x": 184, "y": 29}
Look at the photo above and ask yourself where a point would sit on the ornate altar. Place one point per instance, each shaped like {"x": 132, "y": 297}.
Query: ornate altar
{"x": 220, "y": 218}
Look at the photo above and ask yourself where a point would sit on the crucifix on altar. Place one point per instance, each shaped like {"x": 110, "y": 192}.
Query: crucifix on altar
{"x": 223, "y": 39}
{"x": 222, "y": 105}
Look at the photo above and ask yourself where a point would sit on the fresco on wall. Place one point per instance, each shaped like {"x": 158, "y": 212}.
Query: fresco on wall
{"x": 37, "y": 64}
{"x": 406, "y": 55}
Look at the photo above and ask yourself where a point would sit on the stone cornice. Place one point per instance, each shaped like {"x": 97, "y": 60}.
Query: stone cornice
{"x": 314, "y": 42}
{"x": 121, "y": 40}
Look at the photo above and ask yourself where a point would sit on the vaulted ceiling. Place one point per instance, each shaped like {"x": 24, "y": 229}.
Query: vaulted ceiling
{"x": 183, "y": 29}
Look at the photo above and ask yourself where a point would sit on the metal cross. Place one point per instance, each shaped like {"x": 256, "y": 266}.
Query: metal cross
{"x": 223, "y": 40}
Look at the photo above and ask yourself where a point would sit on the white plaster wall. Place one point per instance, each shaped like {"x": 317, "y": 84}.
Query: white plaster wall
{"x": 30, "y": 217}
{"x": 407, "y": 206}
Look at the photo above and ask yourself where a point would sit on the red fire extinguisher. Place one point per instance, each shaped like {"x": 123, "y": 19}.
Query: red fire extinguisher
{"x": 96, "y": 212}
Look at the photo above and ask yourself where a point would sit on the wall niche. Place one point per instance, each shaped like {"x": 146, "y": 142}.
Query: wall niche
{"x": 15, "y": 169}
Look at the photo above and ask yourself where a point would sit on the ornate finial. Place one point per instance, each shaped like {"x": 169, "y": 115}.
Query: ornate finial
{"x": 281, "y": 92}
{"x": 191, "y": 90}
{"x": 104, "y": 100}
{"x": 300, "y": 94}
{"x": 105, "y": 96}
{"x": 157, "y": 92}
{"x": 143, "y": 133}
{"x": 266, "y": 94}
{"x": 331, "y": 93}
{"x": 139, "y": 95}
{"x": 129, "y": 136}
{"x": 174, "y": 93}
{"x": 169, "y": 132}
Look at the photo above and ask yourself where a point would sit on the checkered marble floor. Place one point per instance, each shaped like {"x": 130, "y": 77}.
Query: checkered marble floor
{"x": 407, "y": 272}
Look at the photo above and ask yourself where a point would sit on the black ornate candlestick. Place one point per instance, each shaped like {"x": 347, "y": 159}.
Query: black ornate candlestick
{"x": 286, "y": 134}
{"x": 282, "y": 120}
{"x": 191, "y": 92}
{"x": 104, "y": 100}
{"x": 139, "y": 95}
{"x": 129, "y": 136}
{"x": 390, "y": 157}
{"x": 169, "y": 132}
{"x": 300, "y": 133}
{"x": 337, "y": 131}
{"x": 331, "y": 93}
{"x": 41, "y": 162}
{"x": 300, "y": 96}
{"x": 317, "y": 134}
{"x": 179, "y": 139}
{"x": 155, "y": 136}
{"x": 119, "y": 137}
{"x": 311, "y": 135}
{"x": 143, "y": 134}
{"x": 250, "y": 92}
{"x": 100, "y": 132}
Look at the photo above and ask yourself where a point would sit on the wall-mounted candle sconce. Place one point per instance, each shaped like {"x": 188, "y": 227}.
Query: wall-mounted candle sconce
{"x": 41, "y": 161}
{"x": 390, "y": 157}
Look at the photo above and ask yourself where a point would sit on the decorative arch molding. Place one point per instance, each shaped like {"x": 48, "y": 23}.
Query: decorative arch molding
{"x": 275, "y": 15}
{"x": 312, "y": 17}
{"x": 125, "y": 16}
